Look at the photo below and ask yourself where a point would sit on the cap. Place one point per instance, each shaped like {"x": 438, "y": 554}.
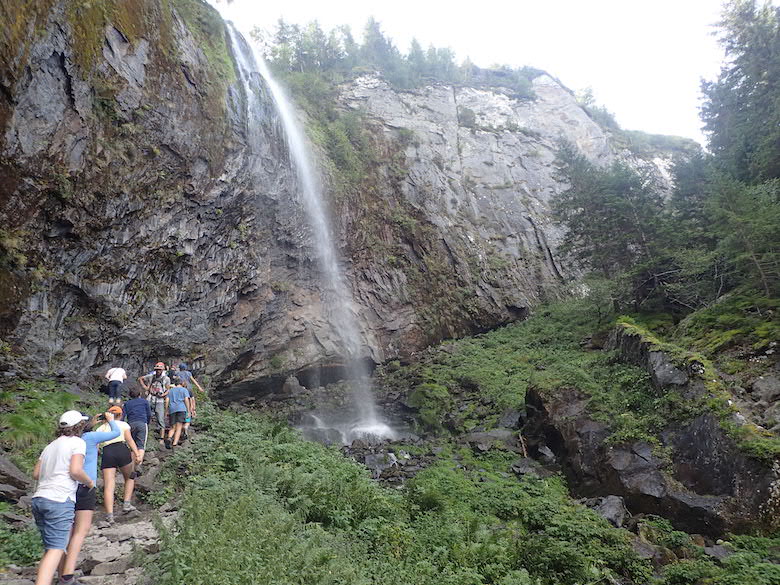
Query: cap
{"x": 72, "y": 417}
{"x": 115, "y": 410}
{"x": 159, "y": 366}
{"x": 182, "y": 366}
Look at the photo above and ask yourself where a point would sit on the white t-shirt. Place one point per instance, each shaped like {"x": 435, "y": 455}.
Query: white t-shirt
{"x": 116, "y": 375}
{"x": 54, "y": 481}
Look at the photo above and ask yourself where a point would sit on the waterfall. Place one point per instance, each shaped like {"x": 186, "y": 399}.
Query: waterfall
{"x": 336, "y": 297}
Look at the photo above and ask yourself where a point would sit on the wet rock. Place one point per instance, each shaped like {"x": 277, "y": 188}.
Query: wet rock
{"x": 546, "y": 454}
{"x": 380, "y": 462}
{"x": 612, "y": 509}
{"x": 292, "y": 386}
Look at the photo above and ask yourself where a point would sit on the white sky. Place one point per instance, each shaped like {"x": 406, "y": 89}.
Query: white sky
{"x": 644, "y": 59}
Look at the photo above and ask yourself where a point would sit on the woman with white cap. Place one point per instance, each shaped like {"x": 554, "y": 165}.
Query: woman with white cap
{"x": 86, "y": 498}
{"x": 59, "y": 470}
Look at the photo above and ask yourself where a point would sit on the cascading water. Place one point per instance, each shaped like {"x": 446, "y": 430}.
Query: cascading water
{"x": 365, "y": 421}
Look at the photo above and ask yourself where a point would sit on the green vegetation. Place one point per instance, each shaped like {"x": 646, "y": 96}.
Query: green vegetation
{"x": 743, "y": 317}
{"x": 720, "y": 228}
{"x": 489, "y": 374}
{"x": 754, "y": 560}
{"x": 297, "y": 512}
{"x": 30, "y": 410}
{"x": 302, "y": 52}
{"x": 741, "y": 110}
{"x": 208, "y": 29}
{"x": 21, "y": 547}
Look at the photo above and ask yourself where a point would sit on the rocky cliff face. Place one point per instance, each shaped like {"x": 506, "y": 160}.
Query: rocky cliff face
{"x": 138, "y": 225}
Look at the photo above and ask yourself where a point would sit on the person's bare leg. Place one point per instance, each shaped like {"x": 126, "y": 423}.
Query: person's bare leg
{"x": 141, "y": 455}
{"x": 129, "y": 483}
{"x": 48, "y": 566}
{"x": 81, "y": 527}
{"x": 109, "y": 483}
{"x": 177, "y": 434}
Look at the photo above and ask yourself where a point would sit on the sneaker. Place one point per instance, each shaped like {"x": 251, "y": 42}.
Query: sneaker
{"x": 128, "y": 507}
{"x": 71, "y": 581}
{"x": 111, "y": 401}
{"x": 108, "y": 521}
{"x": 184, "y": 436}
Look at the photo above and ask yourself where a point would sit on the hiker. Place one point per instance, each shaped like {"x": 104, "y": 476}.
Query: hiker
{"x": 138, "y": 414}
{"x": 59, "y": 470}
{"x": 178, "y": 405}
{"x": 115, "y": 377}
{"x": 86, "y": 497}
{"x": 156, "y": 385}
{"x": 190, "y": 415}
{"x": 116, "y": 455}
{"x": 188, "y": 380}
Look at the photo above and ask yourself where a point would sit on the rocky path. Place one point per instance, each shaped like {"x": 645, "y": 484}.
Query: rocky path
{"x": 116, "y": 555}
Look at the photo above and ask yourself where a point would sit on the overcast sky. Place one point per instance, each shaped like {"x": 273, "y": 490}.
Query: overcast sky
{"x": 644, "y": 59}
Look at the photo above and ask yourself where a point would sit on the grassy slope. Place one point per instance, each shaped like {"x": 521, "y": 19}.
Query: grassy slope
{"x": 296, "y": 512}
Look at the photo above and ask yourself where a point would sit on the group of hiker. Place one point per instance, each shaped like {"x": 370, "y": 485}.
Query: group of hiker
{"x": 65, "y": 500}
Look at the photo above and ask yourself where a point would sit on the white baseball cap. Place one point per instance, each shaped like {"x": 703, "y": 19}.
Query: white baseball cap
{"x": 72, "y": 417}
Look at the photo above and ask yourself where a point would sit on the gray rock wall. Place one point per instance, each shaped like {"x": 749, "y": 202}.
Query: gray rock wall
{"x": 138, "y": 225}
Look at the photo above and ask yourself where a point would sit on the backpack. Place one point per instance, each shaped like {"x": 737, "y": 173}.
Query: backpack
{"x": 156, "y": 386}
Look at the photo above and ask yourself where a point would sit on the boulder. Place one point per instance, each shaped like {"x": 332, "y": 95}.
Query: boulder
{"x": 496, "y": 438}
{"x": 719, "y": 552}
{"x": 766, "y": 388}
{"x": 527, "y": 466}
{"x": 635, "y": 350}
{"x": 13, "y": 483}
{"x": 612, "y": 509}
{"x": 711, "y": 486}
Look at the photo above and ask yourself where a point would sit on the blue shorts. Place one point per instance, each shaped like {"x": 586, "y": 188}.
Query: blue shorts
{"x": 54, "y": 520}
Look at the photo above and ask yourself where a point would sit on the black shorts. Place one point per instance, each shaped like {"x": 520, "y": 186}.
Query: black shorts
{"x": 86, "y": 499}
{"x": 116, "y": 455}
{"x": 177, "y": 417}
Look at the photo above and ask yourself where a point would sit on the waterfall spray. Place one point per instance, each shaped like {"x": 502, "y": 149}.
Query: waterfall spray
{"x": 336, "y": 298}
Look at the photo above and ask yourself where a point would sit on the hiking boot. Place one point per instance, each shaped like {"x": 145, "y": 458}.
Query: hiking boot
{"x": 184, "y": 436}
{"x": 167, "y": 443}
{"x": 128, "y": 507}
{"x": 107, "y": 522}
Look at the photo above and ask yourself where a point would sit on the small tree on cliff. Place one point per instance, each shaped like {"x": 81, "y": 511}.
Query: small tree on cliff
{"x": 613, "y": 215}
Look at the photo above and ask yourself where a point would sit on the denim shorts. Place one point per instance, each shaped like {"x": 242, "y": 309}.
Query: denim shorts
{"x": 54, "y": 520}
